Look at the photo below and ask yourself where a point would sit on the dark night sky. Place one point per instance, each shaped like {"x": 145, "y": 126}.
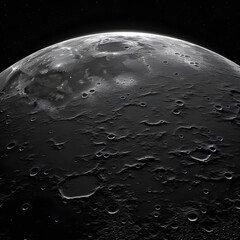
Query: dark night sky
{"x": 28, "y": 26}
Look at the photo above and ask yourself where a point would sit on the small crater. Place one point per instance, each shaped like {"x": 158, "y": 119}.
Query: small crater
{"x": 203, "y": 210}
{"x": 220, "y": 138}
{"x": 179, "y": 103}
{"x": 21, "y": 148}
{"x": 106, "y": 155}
{"x": 176, "y": 111}
{"x": 228, "y": 175}
{"x": 157, "y": 207}
{"x": 206, "y": 191}
{"x": 212, "y": 149}
{"x": 143, "y": 104}
{"x": 180, "y": 135}
{"x": 92, "y": 91}
{"x": 77, "y": 187}
{"x": 26, "y": 206}
{"x": 84, "y": 95}
{"x": 33, "y": 119}
{"x": 11, "y": 145}
{"x": 34, "y": 171}
{"x": 99, "y": 154}
{"x": 156, "y": 214}
{"x": 112, "y": 208}
{"x": 111, "y": 136}
{"x": 192, "y": 216}
{"x": 237, "y": 204}
{"x": 208, "y": 229}
{"x": 200, "y": 155}
{"x": 174, "y": 226}
{"x": 218, "y": 107}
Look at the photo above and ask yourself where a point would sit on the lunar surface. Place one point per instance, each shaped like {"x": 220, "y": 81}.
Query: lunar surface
{"x": 120, "y": 135}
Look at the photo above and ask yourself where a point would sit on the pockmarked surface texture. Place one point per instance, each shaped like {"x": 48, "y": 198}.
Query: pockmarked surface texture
{"x": 120, "y": 135}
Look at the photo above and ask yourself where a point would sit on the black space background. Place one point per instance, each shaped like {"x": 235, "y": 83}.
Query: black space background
{"x": 27, "y": 26}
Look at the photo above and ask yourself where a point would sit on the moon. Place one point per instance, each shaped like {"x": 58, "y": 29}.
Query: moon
{"x": 120, "y": 135}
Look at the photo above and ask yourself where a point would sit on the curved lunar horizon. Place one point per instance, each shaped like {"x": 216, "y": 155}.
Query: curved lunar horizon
{"x": 63, "y": 66}
{"x": 120, "y": 135}
{"x": 125, "y": 33}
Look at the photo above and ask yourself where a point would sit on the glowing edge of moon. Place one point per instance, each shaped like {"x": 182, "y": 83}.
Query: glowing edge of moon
{"x": 8, "y": 71}
{"x": 124, "y": 34}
